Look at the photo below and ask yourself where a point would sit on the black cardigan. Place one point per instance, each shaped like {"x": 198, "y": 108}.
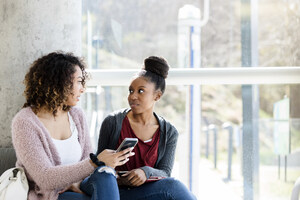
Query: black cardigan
{"x": 110, "y": 133}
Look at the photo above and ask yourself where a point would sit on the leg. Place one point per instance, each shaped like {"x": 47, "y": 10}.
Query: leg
{"x": 101, "y": 185}
{"x": 165, "y": 189}
{"x": 73, "y": 195}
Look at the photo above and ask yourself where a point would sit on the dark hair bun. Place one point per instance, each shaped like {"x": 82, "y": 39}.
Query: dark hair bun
{"x": 157, "y": 65}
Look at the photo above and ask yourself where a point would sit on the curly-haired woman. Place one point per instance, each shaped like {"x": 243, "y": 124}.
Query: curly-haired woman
{"x": 50, "y": 135}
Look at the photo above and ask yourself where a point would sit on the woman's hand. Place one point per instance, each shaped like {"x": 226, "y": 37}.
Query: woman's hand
{"x": 75, "y": 187}
{"x": 112, "y": 158}
{"x": 133, "y": 178}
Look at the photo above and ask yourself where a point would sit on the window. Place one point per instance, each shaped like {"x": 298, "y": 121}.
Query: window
{"x": 117, "y": 36}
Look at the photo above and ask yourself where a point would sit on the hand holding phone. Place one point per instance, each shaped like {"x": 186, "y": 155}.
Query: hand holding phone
{"x": 126, "y": 143}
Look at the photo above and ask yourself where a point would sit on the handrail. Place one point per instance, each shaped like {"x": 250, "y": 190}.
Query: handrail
{"x": 203, "y": 76}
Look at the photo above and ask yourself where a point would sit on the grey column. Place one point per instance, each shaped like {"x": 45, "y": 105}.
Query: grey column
{"x": 29, "y": 29}
{"x": 250, "y": 96}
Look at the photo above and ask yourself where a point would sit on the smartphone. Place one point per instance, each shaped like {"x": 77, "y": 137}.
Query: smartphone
{"x": 120, "y": 173}
{"x": 126, "y": 143}
{"x": 154, "y": 178}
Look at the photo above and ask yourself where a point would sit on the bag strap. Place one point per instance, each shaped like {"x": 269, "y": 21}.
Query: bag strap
{"x": 15, "y": 172}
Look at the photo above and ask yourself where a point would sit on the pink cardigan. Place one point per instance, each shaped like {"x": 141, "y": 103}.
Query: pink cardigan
{"x": 37, "y": 154}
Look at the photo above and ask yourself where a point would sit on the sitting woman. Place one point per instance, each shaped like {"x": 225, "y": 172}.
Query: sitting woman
{"x": 157, "y": 139}
{"x": 51, "y": 139}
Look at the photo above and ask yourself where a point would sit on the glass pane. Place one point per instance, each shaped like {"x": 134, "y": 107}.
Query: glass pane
{"x": 222, "y": 106}
{"x": 120, "y": 34}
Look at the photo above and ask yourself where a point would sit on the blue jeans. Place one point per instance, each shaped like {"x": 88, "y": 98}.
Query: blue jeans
{"x": 104, "y": 186}
{"x": 73, "y": 195}
{"x": 165, "y": 189}
{"x": 98, "y": 185}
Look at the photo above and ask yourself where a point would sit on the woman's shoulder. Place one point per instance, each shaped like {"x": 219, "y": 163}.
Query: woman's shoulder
{"x": 162, "y": 120}
{"x": 118, "y": 114}
{"x": 78, "y": 115}
{"x": 165, "y": 123}
{"x": 25, "y": 114}
{"x": 76, "y": 111}
{"x": 25, "y": 120}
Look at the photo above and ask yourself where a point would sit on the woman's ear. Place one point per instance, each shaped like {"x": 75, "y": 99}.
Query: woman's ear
{"x": 158, "y": 94}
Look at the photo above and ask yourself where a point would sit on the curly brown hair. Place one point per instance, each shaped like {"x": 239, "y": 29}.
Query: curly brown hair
{"x": 49, "y": 81}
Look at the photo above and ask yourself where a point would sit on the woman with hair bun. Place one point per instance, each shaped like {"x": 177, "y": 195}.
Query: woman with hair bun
{"x": 147, "y": 173}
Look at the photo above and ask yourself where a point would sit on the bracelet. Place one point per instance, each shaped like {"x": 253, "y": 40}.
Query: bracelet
{"x": 95, "y": 160}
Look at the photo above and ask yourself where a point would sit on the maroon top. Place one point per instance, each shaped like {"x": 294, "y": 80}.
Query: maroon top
{"x": 145, "y": 152}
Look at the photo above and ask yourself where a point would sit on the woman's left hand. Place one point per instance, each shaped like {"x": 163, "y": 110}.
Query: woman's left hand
{"x": 134, "y": 178}
{"x": 75, "y": 187}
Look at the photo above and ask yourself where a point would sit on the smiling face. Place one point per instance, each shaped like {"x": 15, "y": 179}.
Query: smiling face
{"x": 142, "y": 95}
{"x": 77, "y": 89}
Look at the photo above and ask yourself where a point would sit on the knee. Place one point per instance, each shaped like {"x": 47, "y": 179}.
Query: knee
{"x": 107, "y": 170}
{"x": 99, "y": 177}
{"x": 173, "y": 183}
{"x": 178, "y": 190}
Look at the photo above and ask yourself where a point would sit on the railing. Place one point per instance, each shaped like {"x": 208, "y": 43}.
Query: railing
{"x": 188, "y": 76}
{"x": 213, "y": 129}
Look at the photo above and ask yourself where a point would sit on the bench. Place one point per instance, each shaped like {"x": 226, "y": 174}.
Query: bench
{"x": 7, "y": 159}
{"x": 296, "y": 190}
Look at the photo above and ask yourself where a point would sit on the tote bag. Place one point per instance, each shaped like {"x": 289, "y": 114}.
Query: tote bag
{"x": 13, "y": 184}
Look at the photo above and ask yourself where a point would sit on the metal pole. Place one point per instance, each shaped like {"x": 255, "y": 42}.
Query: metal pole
{"x": 213, "y": 128}
{"x": 240, "y": 148}
{"x": 207, "y": 142}
{"x": 250, "y": 97}
{"x": 215, "y": 147}
{"x": 230, "y": 153}
{"x": 278, "y": 167}
{"x": 230, "y": 130}
{"x": 189, "y": 55}
{"x": 285, "y": 167}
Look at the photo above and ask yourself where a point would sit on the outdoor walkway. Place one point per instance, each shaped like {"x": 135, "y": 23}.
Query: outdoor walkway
{"x": 212, "y": 187}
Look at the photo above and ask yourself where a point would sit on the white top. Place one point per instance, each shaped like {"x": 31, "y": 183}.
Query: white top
{"x": 69, "y": 149}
